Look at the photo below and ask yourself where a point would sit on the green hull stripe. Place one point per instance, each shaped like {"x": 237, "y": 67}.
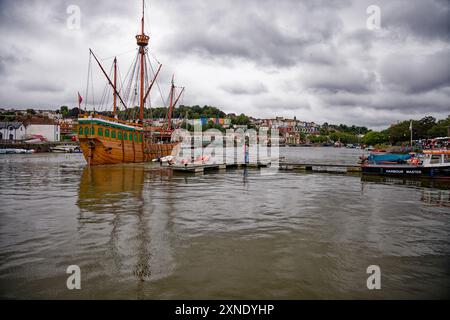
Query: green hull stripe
{"x": 106, "y": 124}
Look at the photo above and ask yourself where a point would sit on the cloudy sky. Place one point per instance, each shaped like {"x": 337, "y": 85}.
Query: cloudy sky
{"x": 313, "y": 59}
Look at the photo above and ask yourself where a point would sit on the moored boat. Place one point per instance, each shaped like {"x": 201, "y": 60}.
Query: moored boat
{"x": 432, "y": 164}
{"x": 16, "y": 151}
{"x": 66, "y": 148}
{"x": 110, "y": 140}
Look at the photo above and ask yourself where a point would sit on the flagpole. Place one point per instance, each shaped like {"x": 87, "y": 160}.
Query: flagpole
{"x": 411, "y": 132}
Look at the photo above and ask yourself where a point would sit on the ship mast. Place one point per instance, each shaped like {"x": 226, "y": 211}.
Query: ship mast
{"x": 107, "y": 78}
{"x": 172, "y": 103}
{"x": 142, "y": 42}
{"x": 115, "y": 86}
{"x": 169, "y": 115}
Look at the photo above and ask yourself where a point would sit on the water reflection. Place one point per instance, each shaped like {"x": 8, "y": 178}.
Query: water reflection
{"x": 114, "y": 197}
{"x": 245, "y": 178}
{"x": 437, "y": 198}
{"x": 136, "y": 231}
{"x": 434, "y": 192}
{"x": 102, "y": 189}
{"x": 426, "y": 183}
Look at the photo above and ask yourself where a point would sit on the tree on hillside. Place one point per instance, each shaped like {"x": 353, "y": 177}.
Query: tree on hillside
{"x": 343, "y": 137}
{"x": 440, "y": 129}
{"x": 401, "y": 133}
{"x": 241, "y": 119}
{"x": 421, "y": 127}
{"x": 374, "y": 137}
{"x": 73, "y": 113}
{"x": 317, "y": 139}
{"x": 64, "y": 111}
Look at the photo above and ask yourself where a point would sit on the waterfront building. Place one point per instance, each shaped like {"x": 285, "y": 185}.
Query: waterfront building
{"x": 12, "y": 131}
{"x": 44, "y": 127}
{"x": 67, "y": 127}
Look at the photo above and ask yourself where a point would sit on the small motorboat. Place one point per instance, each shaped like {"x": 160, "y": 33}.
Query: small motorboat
{"x": 16, "y": 151}
{"x": 66, "y": 148}
{"x": 430, "y": 164}
{"x": 167, "y": 159}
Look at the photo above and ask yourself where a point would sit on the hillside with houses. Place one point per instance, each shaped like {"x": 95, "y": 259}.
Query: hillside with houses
{"x": 41, "y": 126}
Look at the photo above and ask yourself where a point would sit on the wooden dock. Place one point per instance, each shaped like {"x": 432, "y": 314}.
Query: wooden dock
{"x": 294, "y": 166}
{"x": 320, "y": 167}
{"x": 202, "y": 167}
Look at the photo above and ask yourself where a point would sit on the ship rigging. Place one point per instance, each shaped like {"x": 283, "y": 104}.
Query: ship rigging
{"x": 125, "y": 133}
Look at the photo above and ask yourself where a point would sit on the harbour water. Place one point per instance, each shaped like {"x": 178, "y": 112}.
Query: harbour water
{"x": 140, "y": 232}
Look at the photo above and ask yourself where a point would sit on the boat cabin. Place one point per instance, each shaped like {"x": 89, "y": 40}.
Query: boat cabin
{"x": 436, "y": 158}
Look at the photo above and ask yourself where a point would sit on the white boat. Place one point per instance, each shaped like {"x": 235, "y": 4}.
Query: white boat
{"x": 166, "y": 159}
{"x": 16, "y": 151}
{"x": 66, "y": 148}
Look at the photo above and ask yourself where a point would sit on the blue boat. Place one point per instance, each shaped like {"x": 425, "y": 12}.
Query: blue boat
{"x": 388, "y": 158}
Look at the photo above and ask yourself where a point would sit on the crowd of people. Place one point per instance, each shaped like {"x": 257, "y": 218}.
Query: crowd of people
{"x": 432, "y": 144}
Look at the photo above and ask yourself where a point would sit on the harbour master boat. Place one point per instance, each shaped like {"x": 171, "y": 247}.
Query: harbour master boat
{"x": 431, "y": 164}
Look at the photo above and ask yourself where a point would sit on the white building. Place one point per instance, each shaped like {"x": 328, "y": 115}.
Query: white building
{"x": 51, "y": 132}
{"x": 12, "y": 131}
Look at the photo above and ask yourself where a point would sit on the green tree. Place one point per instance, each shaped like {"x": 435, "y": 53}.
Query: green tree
{"x": 374, "y": 137}
{"x": 64, "y": 111}
{"x": 73, "y": 113}
{"x": 343, "y": 137}
{"x": 317, "y": 139}
{"x": 400, "y": 132}
{"x": 241, "y": 119}
{"x": 440, "y": 129}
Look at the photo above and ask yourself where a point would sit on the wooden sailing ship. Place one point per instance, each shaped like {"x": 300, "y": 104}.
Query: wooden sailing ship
{"x": 110, "y": 140}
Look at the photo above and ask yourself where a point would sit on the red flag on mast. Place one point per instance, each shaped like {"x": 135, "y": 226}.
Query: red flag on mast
{"x": 80, "y": 99}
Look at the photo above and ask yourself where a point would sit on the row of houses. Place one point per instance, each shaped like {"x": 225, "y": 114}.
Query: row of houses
{"x": 288, "y": 125}
{"x": 281, "y": 124}
{"x": 50, "y": 114}
{"x": 50, "y": 125}
{"x": 225, "y": 122}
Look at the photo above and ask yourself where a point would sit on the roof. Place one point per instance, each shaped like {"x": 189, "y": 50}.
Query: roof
{"x": 39, "y": 120}
{"x": 7, "y": 124}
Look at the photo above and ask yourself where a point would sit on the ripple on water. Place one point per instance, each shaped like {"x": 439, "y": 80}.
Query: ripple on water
{"x": 140, "y": 232}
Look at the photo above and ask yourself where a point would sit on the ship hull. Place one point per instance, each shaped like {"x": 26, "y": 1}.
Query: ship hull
{"x": 104, "y": 142}
{"x": 100, "y": 152}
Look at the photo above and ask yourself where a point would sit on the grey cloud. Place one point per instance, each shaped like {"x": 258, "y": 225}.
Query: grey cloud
{"x": 391, "y": 101}
{"x": 344, "y": 79}
{"x": 252, "y": 88}
{"x": 415, "y": 103}
{"x": 253, "y": 32}
{"x": 39, "y": 86}
{"x": 425, "y": 19}
{"x": 417, "y": 73}
{"x": 363, "y": 38}
{"x": 6, "y": 60}
{"x": 316, "y": 59}
{"x": 284, "y": 104}
{"x": 12, "y": 56}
